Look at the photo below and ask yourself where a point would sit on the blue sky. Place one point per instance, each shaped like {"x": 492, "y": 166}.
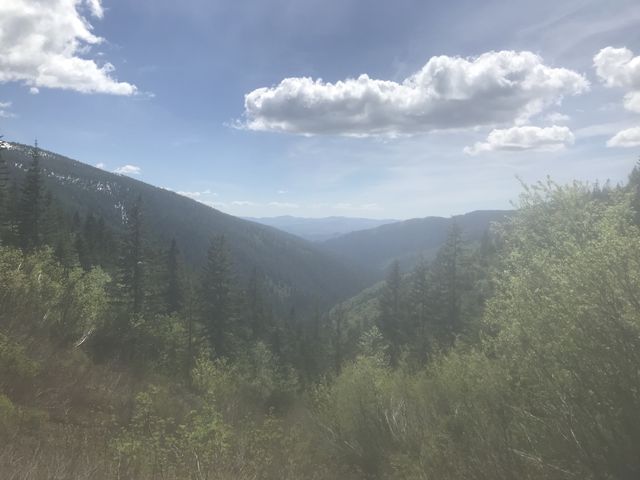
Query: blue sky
{"x": 391, "y": 109}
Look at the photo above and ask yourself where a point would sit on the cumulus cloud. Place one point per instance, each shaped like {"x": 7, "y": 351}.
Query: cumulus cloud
{"x": 101, "y": 165}
{"x": 617, "y": 67}
{"x": 626, "y": 138}
{"x": 44, "y": 44}
{"x": 447, "y": 93}
{"x": 524, "y": 138}
{"x": 4, "y": 110}
{"x": 128, "y": 170}
{"x": 557, "y": 117}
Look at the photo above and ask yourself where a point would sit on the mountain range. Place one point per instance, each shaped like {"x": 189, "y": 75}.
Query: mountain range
{"x": 308, "y": 262}
{"x": 409, "y": 240}
{"x": 297, "y": 271}
{"x": 320, "y": 229}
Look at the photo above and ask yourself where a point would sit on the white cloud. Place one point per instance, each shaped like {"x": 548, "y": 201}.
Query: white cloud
{"x": 557, "y": 117}
{"x": 197, "y": 195}
{"x": 43, "y": 44}
{"x": 4, "y": 110}
{"x": 243, "y": 203}
{"x": 101, "y": 165}
{"x": 626, "y": 138}
{"x": 448, "y": 92}
{"x": 524, "y": 138}
{"x": 617, "y": 67}
{"x": 128, "y": 170}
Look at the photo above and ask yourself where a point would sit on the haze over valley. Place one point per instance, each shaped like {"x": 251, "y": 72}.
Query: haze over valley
{"x": 305, "y": 239}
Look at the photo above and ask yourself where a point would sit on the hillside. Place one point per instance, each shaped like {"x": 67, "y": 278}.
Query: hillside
{"x": 408, "y": 240}
{"x": 320, "y": 229}
{"x": 300, "y": 272}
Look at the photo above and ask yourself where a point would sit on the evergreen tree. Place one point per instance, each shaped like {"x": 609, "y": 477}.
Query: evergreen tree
{"x": 12, "y": 234}
{"x": 450, "y": 270}
{"x": 258, "y": 320}
{"x": 338, "y": 322}
{"x": 419, "y": 328}
{"x": 52, "y": 223}
{"x": 132, "y": 259}
{"x": 173, "y": 293}
{"x": 634, "y": 187}
{"x": 217, "y": 296}
{"x": 31, "y": 205}
{"x": 390, "y": 318}
{"x": 4, "y": 195}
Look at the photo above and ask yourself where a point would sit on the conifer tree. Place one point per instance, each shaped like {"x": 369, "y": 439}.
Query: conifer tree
{"x": 31, "y": 205}
{"x": 132, "y": 259}
{"x": 419, "y": 328}
{"x": 338, "y": 321}
{"x": 390, "y": 319}
{"x": 257, "y": 314}
{"x": 449, "y": 269}
{"x": 634, "y": 187}
{"x": 11, "y": 235}
{"x": 217, "y": 296}
{"x": 173, "y": 293}
{"x": 4, "y": 195}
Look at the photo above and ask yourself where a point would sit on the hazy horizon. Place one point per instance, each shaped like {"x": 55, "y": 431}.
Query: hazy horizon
{"x": 318, "y": 109}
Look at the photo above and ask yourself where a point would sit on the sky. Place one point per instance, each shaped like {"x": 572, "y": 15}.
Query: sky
{"x": 317, "y": 108}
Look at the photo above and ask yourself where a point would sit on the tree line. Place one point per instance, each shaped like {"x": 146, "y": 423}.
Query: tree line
{"x": 516, "y": 357}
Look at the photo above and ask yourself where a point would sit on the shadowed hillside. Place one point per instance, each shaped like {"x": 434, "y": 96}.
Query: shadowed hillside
{"x": 409, "y": 240}
{"x": 300, "y": 273}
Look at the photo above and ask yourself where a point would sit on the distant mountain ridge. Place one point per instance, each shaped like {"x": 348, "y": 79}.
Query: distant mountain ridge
{"x": 299, "y": 271}
{"x": 320, "y": 229}
{"x": 409, "y": 240}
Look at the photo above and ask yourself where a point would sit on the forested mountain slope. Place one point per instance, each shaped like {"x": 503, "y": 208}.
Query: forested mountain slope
{"x": 302, "y": 274}
{"x": 321, "y": 229}
{"x": 409, "y": 240}
{"x": 489, "y": 362}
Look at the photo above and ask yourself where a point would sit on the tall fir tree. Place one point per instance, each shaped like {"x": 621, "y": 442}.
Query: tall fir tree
{"x": 12, "y": 234}
{"x": 450, "y": 269}
{"x": 419, "y": 328}
{"x": 258, "y": 319}
{"x": 217, "y": 297}
{"x": 4, "y": 195}
{"x": 173, "y": 293}
{"x": 31, "y": 204}
{"x": 390, "y": 319}
{"x": 338, "y": 324}
{"x": 132, "y": 259}
{"x": 634, "y": 187}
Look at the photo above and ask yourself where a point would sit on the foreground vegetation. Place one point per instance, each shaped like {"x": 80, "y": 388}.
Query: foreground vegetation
{"x": 517, "y": 358}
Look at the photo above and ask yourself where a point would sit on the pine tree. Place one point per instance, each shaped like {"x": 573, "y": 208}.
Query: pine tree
{"x": 390, "y": 319}
{"x": 12, "y": 234}
{"x": 217, "y": 296}
{"x": 450, "y": 270}
{"x": 4, "y": 195}
{"x": 132, "y": 259}
{"x": 173, "y": 293}
{"x": 257, "y": 319}
{"x": 31, "y": 205}
{"x": 338, "y": 322}
{"x": 419, "y": 327}
{"x": 634, "y": 187}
